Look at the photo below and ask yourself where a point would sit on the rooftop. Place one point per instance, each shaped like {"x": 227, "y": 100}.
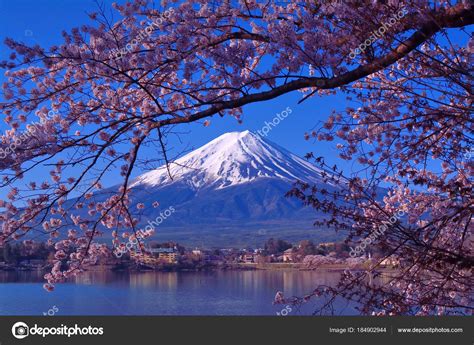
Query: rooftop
{"x": 161, "y": 250}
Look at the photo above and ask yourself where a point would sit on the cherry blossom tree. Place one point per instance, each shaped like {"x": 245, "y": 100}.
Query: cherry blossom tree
{"x": 114, "y": 87}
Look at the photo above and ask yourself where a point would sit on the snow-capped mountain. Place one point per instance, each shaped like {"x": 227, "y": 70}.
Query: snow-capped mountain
{"x": 232, "y": 159}
{"x": 232, "y": 187}
{"x": 229, "y": 192}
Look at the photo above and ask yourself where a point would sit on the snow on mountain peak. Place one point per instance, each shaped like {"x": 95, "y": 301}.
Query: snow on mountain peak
{"x": 231, "y": 159}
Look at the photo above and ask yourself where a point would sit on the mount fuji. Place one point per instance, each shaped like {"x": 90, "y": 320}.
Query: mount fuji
{"x": 231, "y": 190}
{"x": 232, "y": 159}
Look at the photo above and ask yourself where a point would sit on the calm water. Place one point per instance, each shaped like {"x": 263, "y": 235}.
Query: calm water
{"x": 163, "y": 293}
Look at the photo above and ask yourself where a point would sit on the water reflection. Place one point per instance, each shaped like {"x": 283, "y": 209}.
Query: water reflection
{"x": 20, "y": 276}
{"x": 168, "y": 280}
{"x": 164, "y": 293}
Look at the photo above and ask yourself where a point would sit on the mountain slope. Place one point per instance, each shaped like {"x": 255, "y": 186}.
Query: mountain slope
{"x": 237, "y": 182}
{"x": 229, "y": 192}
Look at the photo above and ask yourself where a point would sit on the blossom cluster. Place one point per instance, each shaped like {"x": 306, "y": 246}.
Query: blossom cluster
{"x": 376, "y": 34}
{"x": 31, "y": 130}
{"x": 359, "y": 249}
{"x": 140, "y": 37}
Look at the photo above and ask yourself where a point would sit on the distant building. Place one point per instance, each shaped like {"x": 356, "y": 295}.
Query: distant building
{"x": 328, "y": 245}
{"x": 197, "y": 252}
{"x": 390, "y": 261}
{"x": 153, "y": 256}
{"x": 248, "y": 258}
{"x": 170, "y": 255}
{"x": 288, "y": 255}
{"x": 33, "y": 263}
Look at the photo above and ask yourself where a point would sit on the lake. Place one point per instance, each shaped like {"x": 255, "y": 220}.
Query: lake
{"x": 164, "y": 293}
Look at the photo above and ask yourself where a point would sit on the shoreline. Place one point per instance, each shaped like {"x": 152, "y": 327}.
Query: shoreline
{"x": 222, "y": 267}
